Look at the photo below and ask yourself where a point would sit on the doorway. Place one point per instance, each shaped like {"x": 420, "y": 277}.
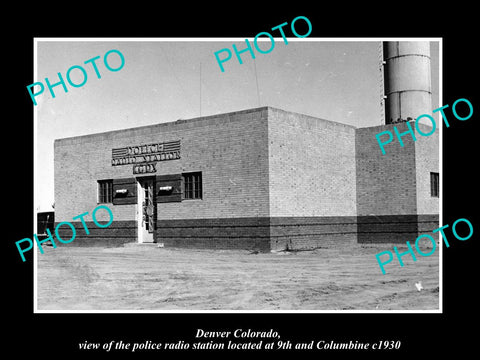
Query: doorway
{"x": 146, "y": 210}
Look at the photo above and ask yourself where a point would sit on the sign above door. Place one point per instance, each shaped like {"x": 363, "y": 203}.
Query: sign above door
{"x": 146, "y": 154}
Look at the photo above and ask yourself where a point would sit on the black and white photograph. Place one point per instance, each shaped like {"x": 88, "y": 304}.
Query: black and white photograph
{"x": 253, "y": 186}
{"x": 231, "y": 181}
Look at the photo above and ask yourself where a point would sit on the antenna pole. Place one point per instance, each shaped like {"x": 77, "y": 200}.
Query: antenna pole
{"x": 200, "y": 88}
{"x": 256, "y": 81}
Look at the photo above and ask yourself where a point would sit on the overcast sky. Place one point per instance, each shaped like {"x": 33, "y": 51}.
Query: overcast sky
{"x": 161, "y": 81}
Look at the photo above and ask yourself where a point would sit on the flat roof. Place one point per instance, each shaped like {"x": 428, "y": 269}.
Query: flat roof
{"x": 112, "y": 133}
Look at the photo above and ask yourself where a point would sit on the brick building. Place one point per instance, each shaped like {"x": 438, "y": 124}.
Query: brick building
{"x": 262, "y": 178}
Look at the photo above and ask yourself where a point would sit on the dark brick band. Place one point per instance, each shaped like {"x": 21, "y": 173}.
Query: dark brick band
{"x": 263, "y": 233}
{"x": 116, "y": 234}
{"x": 394, "y": 228}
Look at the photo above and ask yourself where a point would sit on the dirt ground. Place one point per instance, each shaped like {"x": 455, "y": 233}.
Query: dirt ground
{"x": 146, "y": 277}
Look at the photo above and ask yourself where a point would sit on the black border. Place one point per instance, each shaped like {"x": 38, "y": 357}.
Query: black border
{"x": 428, "y": 334}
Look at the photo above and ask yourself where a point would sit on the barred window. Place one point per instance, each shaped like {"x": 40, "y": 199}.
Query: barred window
{"x": 434, "y": 184}
{"x": 105, "y": 191}
{"x": 192, "y": 185}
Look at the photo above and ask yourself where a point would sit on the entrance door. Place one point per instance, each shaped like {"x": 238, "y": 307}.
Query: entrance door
{"x": 146, "y": 210}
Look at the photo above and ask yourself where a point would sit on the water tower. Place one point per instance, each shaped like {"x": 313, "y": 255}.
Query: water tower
{"x": 407, "y": 80}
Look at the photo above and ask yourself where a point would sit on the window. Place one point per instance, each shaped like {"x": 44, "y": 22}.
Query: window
{"x": 192, "y": 185}
{"x": 434, "y": 184}
{"x": 105, "y": 191}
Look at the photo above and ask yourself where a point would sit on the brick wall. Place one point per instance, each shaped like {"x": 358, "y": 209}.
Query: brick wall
{"x": 393, "y": 190}
{"x": 271, "y": 180}
{"x": 79, "y": 162}
{"x": 426, "y": 161}
{"x": 311, "y": 180}
{"x": 386, "y": 184}
{"x": 302, "y": 233}
{"x": 261, "y": 233}
{"x": 312, "y": 166}
{"x": 230, "y": 150}
{"x": 116, "y": 234}
{"x": 222, "y": 233}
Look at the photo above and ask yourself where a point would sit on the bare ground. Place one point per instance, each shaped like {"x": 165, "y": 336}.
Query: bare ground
{"x": 152, "y": 278}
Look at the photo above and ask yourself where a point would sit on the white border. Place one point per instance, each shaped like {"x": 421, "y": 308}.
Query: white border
{"x": 306, "y": 39}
